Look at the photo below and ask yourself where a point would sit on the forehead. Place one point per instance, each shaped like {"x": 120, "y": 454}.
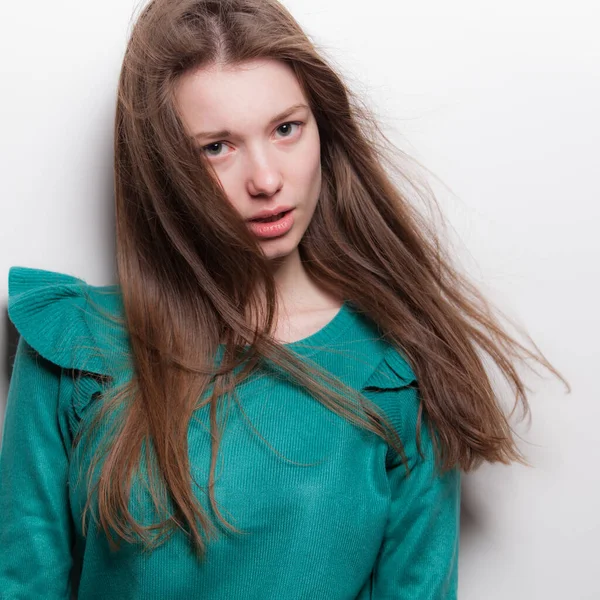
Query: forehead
{"x": 241, "y": 98}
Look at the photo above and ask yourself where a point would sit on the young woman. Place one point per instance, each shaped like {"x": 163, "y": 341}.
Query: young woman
{"x": 278, "y": 397}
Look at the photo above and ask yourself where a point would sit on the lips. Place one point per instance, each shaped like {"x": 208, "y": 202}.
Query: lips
{"x": 274, "y": 229}
{"x": 268, "y": 214}
{"x": 270, "y": 219}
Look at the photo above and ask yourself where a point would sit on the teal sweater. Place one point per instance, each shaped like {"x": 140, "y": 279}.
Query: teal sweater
{"x": 350, "y": 526}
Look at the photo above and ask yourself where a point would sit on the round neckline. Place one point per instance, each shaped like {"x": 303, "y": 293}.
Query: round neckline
{"x": 331, "y": 330}
{"x": 314, "y": 342}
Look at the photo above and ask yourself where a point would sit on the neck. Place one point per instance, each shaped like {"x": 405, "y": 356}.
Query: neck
{"x": 296, "y": 291}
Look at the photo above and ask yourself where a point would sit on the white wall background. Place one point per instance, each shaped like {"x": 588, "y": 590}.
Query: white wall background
{"x": 500, "y": 101}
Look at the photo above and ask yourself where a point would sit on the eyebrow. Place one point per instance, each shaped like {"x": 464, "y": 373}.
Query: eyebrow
{"x": 226, "y": 133}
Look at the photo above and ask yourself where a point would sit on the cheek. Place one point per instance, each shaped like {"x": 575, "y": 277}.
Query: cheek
{"x": 232, "y": 185}
{"x": 308, "y": 169}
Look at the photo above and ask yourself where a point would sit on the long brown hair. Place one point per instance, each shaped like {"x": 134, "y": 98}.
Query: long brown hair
{"x": 189, "y": 271}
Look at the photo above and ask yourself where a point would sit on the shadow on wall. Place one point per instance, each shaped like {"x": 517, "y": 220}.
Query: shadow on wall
{"x": 472, "y": 522}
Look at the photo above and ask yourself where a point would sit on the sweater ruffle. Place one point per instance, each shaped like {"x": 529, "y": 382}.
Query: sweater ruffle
{"x": 68, "y": 322}
{"x": 391, "y": 373}
{"x": 393, "y": 387}
{"x": 64, "y": 318}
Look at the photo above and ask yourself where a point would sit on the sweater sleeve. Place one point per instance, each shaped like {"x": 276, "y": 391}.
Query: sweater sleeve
{"x": 72, "y": 341}
{"x": 418, "y": 558}
{"x": 36, "y": 531}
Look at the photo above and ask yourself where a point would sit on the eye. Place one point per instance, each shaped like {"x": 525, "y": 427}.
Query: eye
{"x": 287, "y": 127}
{"x": 212, "y": 150}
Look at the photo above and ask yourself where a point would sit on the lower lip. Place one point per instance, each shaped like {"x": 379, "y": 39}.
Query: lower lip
{"x": 273, "y": 229}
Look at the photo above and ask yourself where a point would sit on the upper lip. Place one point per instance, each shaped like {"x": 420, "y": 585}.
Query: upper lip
{"x": 263, "y": 214}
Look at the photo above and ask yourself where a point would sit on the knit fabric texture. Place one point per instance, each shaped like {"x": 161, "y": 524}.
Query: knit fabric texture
{"x": 326, "y": 508}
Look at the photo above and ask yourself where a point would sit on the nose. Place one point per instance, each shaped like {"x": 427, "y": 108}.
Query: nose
{"x": 264, "y": 174}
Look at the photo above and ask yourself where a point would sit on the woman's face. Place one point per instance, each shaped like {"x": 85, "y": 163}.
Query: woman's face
{"x": 256, "y": 130}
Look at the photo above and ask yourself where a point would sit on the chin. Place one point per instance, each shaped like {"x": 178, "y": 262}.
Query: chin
{"x": 279, "y": 248}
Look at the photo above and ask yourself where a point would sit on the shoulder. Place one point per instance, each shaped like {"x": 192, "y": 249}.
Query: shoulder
{"x": 391, "y": 371}
{"x": 377, "y": 367}
{"x": 67, "y": 321}
{"x": 392, "y": 386}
